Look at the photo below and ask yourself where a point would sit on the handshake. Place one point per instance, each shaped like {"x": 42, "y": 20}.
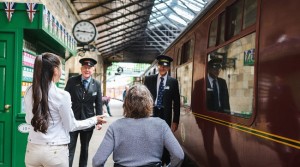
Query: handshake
{"x": 100, "y": 121}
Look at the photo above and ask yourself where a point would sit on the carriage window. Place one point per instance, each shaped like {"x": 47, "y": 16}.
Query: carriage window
{"x": 213, "y": 32}
{"x": 230, "y": 78}
{"x": 186, "y": 52}
{"x": 230, "y": 22}
{"x": 184, "y": 75}
{"x": 249, "y": 13}
{"x": 151, "y": 71}
{"x": 178, "y": 56}
{"x": 222, "y": 28}
{"x": 234, "y": 22}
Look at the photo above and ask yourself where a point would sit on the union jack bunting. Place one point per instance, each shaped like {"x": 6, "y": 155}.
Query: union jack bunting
{"x": 31, "y": 9}
{"x": 50, "y": 23}
{"x": 45, "y": 17}
{"x": 9, "y": 9}
{"x": 57, "y": 28}
{"x": 61, "y": 32}
{"x": 53, "y": 25}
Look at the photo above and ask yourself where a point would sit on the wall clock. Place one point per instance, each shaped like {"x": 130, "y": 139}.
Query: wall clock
{"x": 84, "y": 32}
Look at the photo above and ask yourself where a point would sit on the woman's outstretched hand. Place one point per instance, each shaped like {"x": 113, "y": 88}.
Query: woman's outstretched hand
{"x": 100, "y": 121}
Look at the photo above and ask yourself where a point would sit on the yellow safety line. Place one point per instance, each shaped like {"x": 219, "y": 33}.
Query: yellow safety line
{"x": 250, "y": 130}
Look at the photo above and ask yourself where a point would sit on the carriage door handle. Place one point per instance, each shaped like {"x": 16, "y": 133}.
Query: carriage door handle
{"x": 7, "y": 107}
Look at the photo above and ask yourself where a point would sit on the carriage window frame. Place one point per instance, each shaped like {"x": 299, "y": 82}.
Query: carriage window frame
{"x": 250, "y": 12}
{"x": 213, "y": 32}
{"x": 238, "y": 17}
{"x": 234, "y": 19}
{"x": 186, "y": 53}
{"x": 238, "y": 70}
{"x": 222, "y": 28}
{"x": 178, "y": 53}
{"x": 184, "y": 72}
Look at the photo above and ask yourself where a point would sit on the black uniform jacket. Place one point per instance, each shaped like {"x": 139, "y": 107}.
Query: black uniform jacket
{"x": 223, "y": 95}
{"x": 85, "y": 104}
{"x": 171, "y": 97}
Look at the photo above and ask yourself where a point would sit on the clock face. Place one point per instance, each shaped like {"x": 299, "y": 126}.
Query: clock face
{"x": 84, "y": 31}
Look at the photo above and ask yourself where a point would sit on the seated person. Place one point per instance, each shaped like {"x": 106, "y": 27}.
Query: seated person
{"x": 138, "y": 139}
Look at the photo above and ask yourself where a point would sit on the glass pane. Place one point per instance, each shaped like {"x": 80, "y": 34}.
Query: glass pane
{"x": 234, "y": 21}
{"x": 222, "y": 31}
{"x": 187, "y": 49}
{"x": 213, "y": 32}
{"x": 234, "y": 67}
{"x": 184, "y": 75}
{"x": 249, "y": 13}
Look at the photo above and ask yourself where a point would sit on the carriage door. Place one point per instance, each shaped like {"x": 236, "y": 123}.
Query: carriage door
{"x": 6, "y": 81}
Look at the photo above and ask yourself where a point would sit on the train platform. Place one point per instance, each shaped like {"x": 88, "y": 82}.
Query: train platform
{"x": 98, "y": 135}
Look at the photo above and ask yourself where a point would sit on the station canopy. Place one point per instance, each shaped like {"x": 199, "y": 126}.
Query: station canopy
{"x": 137, "y": 30}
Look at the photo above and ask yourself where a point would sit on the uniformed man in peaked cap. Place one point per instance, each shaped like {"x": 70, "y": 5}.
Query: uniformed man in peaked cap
{"x": 217, "y": 95}
{"x": 86, "y": 99}
{"x": 165, "y": 93}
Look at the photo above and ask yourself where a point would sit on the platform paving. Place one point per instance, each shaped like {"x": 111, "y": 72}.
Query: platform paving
{"x": 117, "y": 113}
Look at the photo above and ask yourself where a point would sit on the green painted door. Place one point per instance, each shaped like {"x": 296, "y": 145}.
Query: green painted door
{"x": 7, "y": 51}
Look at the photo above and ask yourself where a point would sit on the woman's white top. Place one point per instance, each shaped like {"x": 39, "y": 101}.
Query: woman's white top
{"x": 61, "y": 120}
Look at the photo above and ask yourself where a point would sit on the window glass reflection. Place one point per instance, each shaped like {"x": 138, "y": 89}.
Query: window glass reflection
{"x": 233, "y": 64}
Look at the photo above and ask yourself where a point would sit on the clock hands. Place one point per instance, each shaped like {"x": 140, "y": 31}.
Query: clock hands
{"x": 84, "y": 31}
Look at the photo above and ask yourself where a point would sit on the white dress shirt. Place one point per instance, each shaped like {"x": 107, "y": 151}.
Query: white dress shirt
{"x": 61, "y": 118}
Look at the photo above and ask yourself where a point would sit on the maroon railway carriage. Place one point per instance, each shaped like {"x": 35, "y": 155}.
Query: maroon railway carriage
{"x": 258, "y": 45}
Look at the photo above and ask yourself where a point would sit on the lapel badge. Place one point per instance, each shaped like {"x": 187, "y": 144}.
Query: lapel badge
{"x": 209, "y": 89}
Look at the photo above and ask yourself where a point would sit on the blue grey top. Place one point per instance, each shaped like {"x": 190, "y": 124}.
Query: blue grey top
{"x": 136, "y": 142}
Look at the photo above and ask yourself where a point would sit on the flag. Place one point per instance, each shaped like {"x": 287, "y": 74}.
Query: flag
{"x": 57, "y": 28}
{"x": 53, "y": 25}
{"x": 9, "y": 9}
{"x": 31, "y": 9}
{"x": 45, "y": 17}
{"x": 60, "y": 32}
{"x": 63, "y": 35}
{"x": 50, "y": 22}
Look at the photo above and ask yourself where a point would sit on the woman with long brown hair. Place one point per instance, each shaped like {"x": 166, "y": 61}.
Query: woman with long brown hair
{"x": 48, "y": 110}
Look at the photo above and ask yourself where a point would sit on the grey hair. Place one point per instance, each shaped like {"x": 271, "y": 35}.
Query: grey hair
{"x": 138, "y": 102}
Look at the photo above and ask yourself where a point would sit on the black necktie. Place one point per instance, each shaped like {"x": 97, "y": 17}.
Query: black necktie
{"x": 216, "y": 95}
{"x": 85, "y": 84}
{"x": 160, "y": 93}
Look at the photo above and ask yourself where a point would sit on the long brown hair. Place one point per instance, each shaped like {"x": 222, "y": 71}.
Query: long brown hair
{"x": 42, "y": 76}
